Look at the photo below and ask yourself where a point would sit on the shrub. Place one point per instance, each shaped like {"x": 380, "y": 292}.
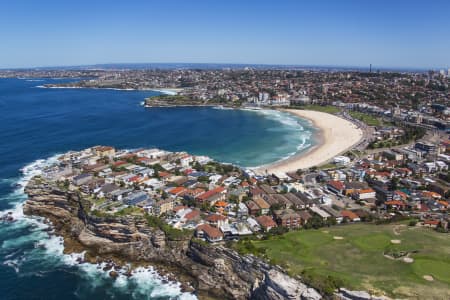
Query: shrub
{"x": 412, "y": 223}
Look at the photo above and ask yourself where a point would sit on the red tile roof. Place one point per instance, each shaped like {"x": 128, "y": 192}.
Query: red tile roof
{"x": 403, "y": 195}
{"x": 177, "y": 190}
{"x": 163, "y": 174}
{"x": 210, "y": 193}
{"x": 336, "y": 184}
{"x": 366, "y": 191}
{"x": 215, "y": 218}
{"x": 210, "y": 231}
{"x": 349, "y": 214}
{"x": 179, "y": 207}
{"x": 221, "y": 204}
{"x": 431, "y": 222}
{"x": 266, "y": 221}
{"x": 395, "y": 202}
{"x": 192, "y": 215}
{"x": 119, "y": 163}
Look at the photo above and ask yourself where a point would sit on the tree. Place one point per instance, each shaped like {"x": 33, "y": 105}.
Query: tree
{"x": 233, "y": 199}
{"x": 394, "y": 184}
{"x": 316, "y": 222}
{"x": 204, "y": 179}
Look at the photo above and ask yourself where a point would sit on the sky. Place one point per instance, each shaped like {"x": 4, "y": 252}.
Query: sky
{"x": 395, "y": 33}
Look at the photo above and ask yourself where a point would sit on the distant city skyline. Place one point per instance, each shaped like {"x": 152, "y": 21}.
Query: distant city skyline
{"x": 387, "y": 34}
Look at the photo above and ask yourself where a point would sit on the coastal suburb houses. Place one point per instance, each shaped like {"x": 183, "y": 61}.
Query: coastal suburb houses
{"x": 221, "y": 202}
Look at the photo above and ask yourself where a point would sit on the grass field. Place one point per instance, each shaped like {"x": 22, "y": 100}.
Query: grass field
{"x": 366, "y": 118}
{"x": 357, "y": 260}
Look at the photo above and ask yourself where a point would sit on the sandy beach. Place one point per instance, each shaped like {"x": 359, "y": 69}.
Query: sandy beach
{"x": 335, "y": 136}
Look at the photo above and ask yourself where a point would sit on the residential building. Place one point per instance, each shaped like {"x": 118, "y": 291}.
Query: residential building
{"x": 266, "y": 222}
{"x": 287, "y": 218}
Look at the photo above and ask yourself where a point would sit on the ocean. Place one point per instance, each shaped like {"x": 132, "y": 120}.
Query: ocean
{"x": 37, "y": 124}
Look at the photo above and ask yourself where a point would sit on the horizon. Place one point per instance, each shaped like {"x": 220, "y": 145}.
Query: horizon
{"x": 399, "y": 35}
{"x": 213, "y": 65}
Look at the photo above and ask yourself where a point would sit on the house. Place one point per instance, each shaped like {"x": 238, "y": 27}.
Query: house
{"x": 382, "y": 193}
{"x": 238, "y": 192}
{"x": 177, "y": 191}
{"x": 212, "y": 196}
{"x": 267, "y": 189}
{"x": 305, "y": 199}
{"x": 107, "y": 189}
{"x": 280, "y": 200}
{"x": 104, "y": 151}
{"x": 395, "y": 205}
{"x": 304, "y": 217}
{"x": 266, "y": 222}
{"x": 263, "y": 205}
{"x": 287, "y": 218}
{"x": 364, "y": 194}
{"x": 163, "y": 206}
{"x": 391, "y": 155}
{"x": 431, "y": 223}
{"x": 253, "y": 208}
{"x": 350, "y": 216}
{"x": 253, "y": 224}
{"x": 256, "y": 191}
{"x": 335, "y": 186}
{"x": 295, "y": 200}
{"x": 82, "y": 179}
{"x": 135, "y": 198}
{"x": 216, "y": 220}
{"x": 439, "y": 186}
{"x": 351, "y": 187}
{"x": 192, "y": 216}
{"x": 321, "y": 213}
{"x": 120, "y": 194}
{"x": 333, "y": 213}
{"x": 242, "y": 210}
{"x": 186, "y": 159}
{"x": 211, "y": 234}
{"x": 220, "y": 206}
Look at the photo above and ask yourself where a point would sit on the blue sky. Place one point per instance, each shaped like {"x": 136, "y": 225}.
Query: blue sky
{"x": 341, "y": 32}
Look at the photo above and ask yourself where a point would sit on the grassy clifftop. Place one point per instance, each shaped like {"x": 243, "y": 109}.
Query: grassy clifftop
{"x": 395, "y": 260}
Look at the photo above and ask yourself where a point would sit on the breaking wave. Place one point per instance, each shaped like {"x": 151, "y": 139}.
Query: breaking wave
{"x": 299, "y": 137}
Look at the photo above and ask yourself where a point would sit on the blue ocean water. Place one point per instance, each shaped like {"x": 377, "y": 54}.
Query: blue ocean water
{"x": 38, "y": 123}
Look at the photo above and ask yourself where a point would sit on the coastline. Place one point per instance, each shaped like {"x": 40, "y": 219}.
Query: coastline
{"x": 185, "y": 265}
{"x": 335, "y": 136}
{"x": 167, "y": 91}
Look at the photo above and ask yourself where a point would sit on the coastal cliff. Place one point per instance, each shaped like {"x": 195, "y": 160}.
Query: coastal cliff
{"x": 214, "y": 271}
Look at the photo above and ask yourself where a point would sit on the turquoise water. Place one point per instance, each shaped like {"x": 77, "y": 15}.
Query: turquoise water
{"x": 37, "y": 123}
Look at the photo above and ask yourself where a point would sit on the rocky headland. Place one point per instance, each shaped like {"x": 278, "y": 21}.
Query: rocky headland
{"x": 213, "y": 271}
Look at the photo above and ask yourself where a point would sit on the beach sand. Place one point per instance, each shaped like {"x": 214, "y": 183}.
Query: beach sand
{"x": 336, "y": 135}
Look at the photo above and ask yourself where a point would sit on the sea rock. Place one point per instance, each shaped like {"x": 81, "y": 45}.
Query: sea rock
{"x": 113, "y": 274}
{"x": 346, "y": 294}
{"x": 278, "y": 285}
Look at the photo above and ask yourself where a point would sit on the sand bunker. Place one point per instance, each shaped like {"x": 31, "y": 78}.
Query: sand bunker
{"x": 408, "y": 260}
{"x": 338, "y": 237}
{"x": 428, "y": 277}
{"x": 396, "y": 241}
{"x": 325, "y": 231}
